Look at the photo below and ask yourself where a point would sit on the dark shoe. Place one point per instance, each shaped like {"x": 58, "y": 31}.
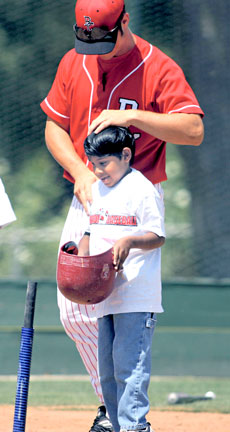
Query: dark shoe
{"x": 101, "y": 422}
{"x": 148, "y": 428}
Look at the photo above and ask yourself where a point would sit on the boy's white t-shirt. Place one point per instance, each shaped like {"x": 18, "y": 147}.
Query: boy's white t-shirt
{"x": 6, "y": 212}
{"x": 133, "y": 206}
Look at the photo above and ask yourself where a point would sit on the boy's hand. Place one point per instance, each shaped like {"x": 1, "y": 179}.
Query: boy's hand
{"x": 120, "y": 252}
{"x": 147, "y": 241}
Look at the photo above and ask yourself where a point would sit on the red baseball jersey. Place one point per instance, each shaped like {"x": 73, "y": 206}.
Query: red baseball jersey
{"x": 144, "y": 78}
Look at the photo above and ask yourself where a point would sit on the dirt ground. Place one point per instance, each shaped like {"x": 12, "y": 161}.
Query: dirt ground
{"x": 67, "y": 419}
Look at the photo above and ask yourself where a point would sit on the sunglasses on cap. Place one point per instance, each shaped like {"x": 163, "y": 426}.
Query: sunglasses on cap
{"x": 95, "y": 34}
{"x": 97, "y": 40}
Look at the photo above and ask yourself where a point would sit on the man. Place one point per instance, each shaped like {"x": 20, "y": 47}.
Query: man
{"x": 112, "y": 77}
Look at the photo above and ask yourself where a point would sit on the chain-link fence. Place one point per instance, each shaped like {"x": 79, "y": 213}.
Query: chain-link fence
{"x": 34, "y": 35}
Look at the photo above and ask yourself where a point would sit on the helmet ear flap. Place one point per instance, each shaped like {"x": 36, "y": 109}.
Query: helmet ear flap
{"x": 85, "y": 280}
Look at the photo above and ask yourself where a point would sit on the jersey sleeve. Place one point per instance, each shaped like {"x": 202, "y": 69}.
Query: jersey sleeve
{"x": 55, "y": 105}
{"x": 150, "y": 211}
{"x": 173, "y": 93}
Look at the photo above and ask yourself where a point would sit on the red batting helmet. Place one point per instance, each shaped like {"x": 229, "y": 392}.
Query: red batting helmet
{"x": 85, "y": 279}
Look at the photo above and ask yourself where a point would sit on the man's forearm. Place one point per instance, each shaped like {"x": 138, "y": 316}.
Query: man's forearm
{"x": 180, "y": 128}
{"x": 61, "y": 147}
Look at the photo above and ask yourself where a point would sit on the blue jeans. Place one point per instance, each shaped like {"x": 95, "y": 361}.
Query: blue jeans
{"x": 124, "y": 358}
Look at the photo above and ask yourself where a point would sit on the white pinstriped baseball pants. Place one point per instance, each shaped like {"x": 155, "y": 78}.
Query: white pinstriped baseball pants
{"x": 78, "y": 320}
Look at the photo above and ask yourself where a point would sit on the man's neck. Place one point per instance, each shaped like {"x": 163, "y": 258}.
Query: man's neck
{"x": 125, "y": 44}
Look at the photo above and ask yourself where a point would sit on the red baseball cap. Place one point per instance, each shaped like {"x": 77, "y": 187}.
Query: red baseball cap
{"x": 96, "y": 26}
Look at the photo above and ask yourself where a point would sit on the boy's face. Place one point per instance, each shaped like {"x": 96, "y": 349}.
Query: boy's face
{"x": 110, "y": 169}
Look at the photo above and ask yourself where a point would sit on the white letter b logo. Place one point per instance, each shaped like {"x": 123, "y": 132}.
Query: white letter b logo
{"x": 127, "y": 103}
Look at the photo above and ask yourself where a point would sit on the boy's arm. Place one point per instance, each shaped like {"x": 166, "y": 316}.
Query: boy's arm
{"x": 122, "y": 246}
{"x": 83, "y": 246}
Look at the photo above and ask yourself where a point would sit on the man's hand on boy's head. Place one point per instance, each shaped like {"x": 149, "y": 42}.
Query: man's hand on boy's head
{"x": 83, "y": 188}
{"x": 120, "y": 252}
{"x": 111, "y": 118}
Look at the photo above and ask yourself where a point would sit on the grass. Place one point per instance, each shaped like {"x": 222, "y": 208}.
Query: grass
{"x": 196, "y": 386}
{"x": 77, "y": 392}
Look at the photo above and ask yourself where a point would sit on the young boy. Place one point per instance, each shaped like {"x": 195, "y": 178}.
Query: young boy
{"x": 127, "y": 212}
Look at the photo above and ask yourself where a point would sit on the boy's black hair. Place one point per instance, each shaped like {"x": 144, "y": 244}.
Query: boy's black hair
{"x": 110, "y": 142}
